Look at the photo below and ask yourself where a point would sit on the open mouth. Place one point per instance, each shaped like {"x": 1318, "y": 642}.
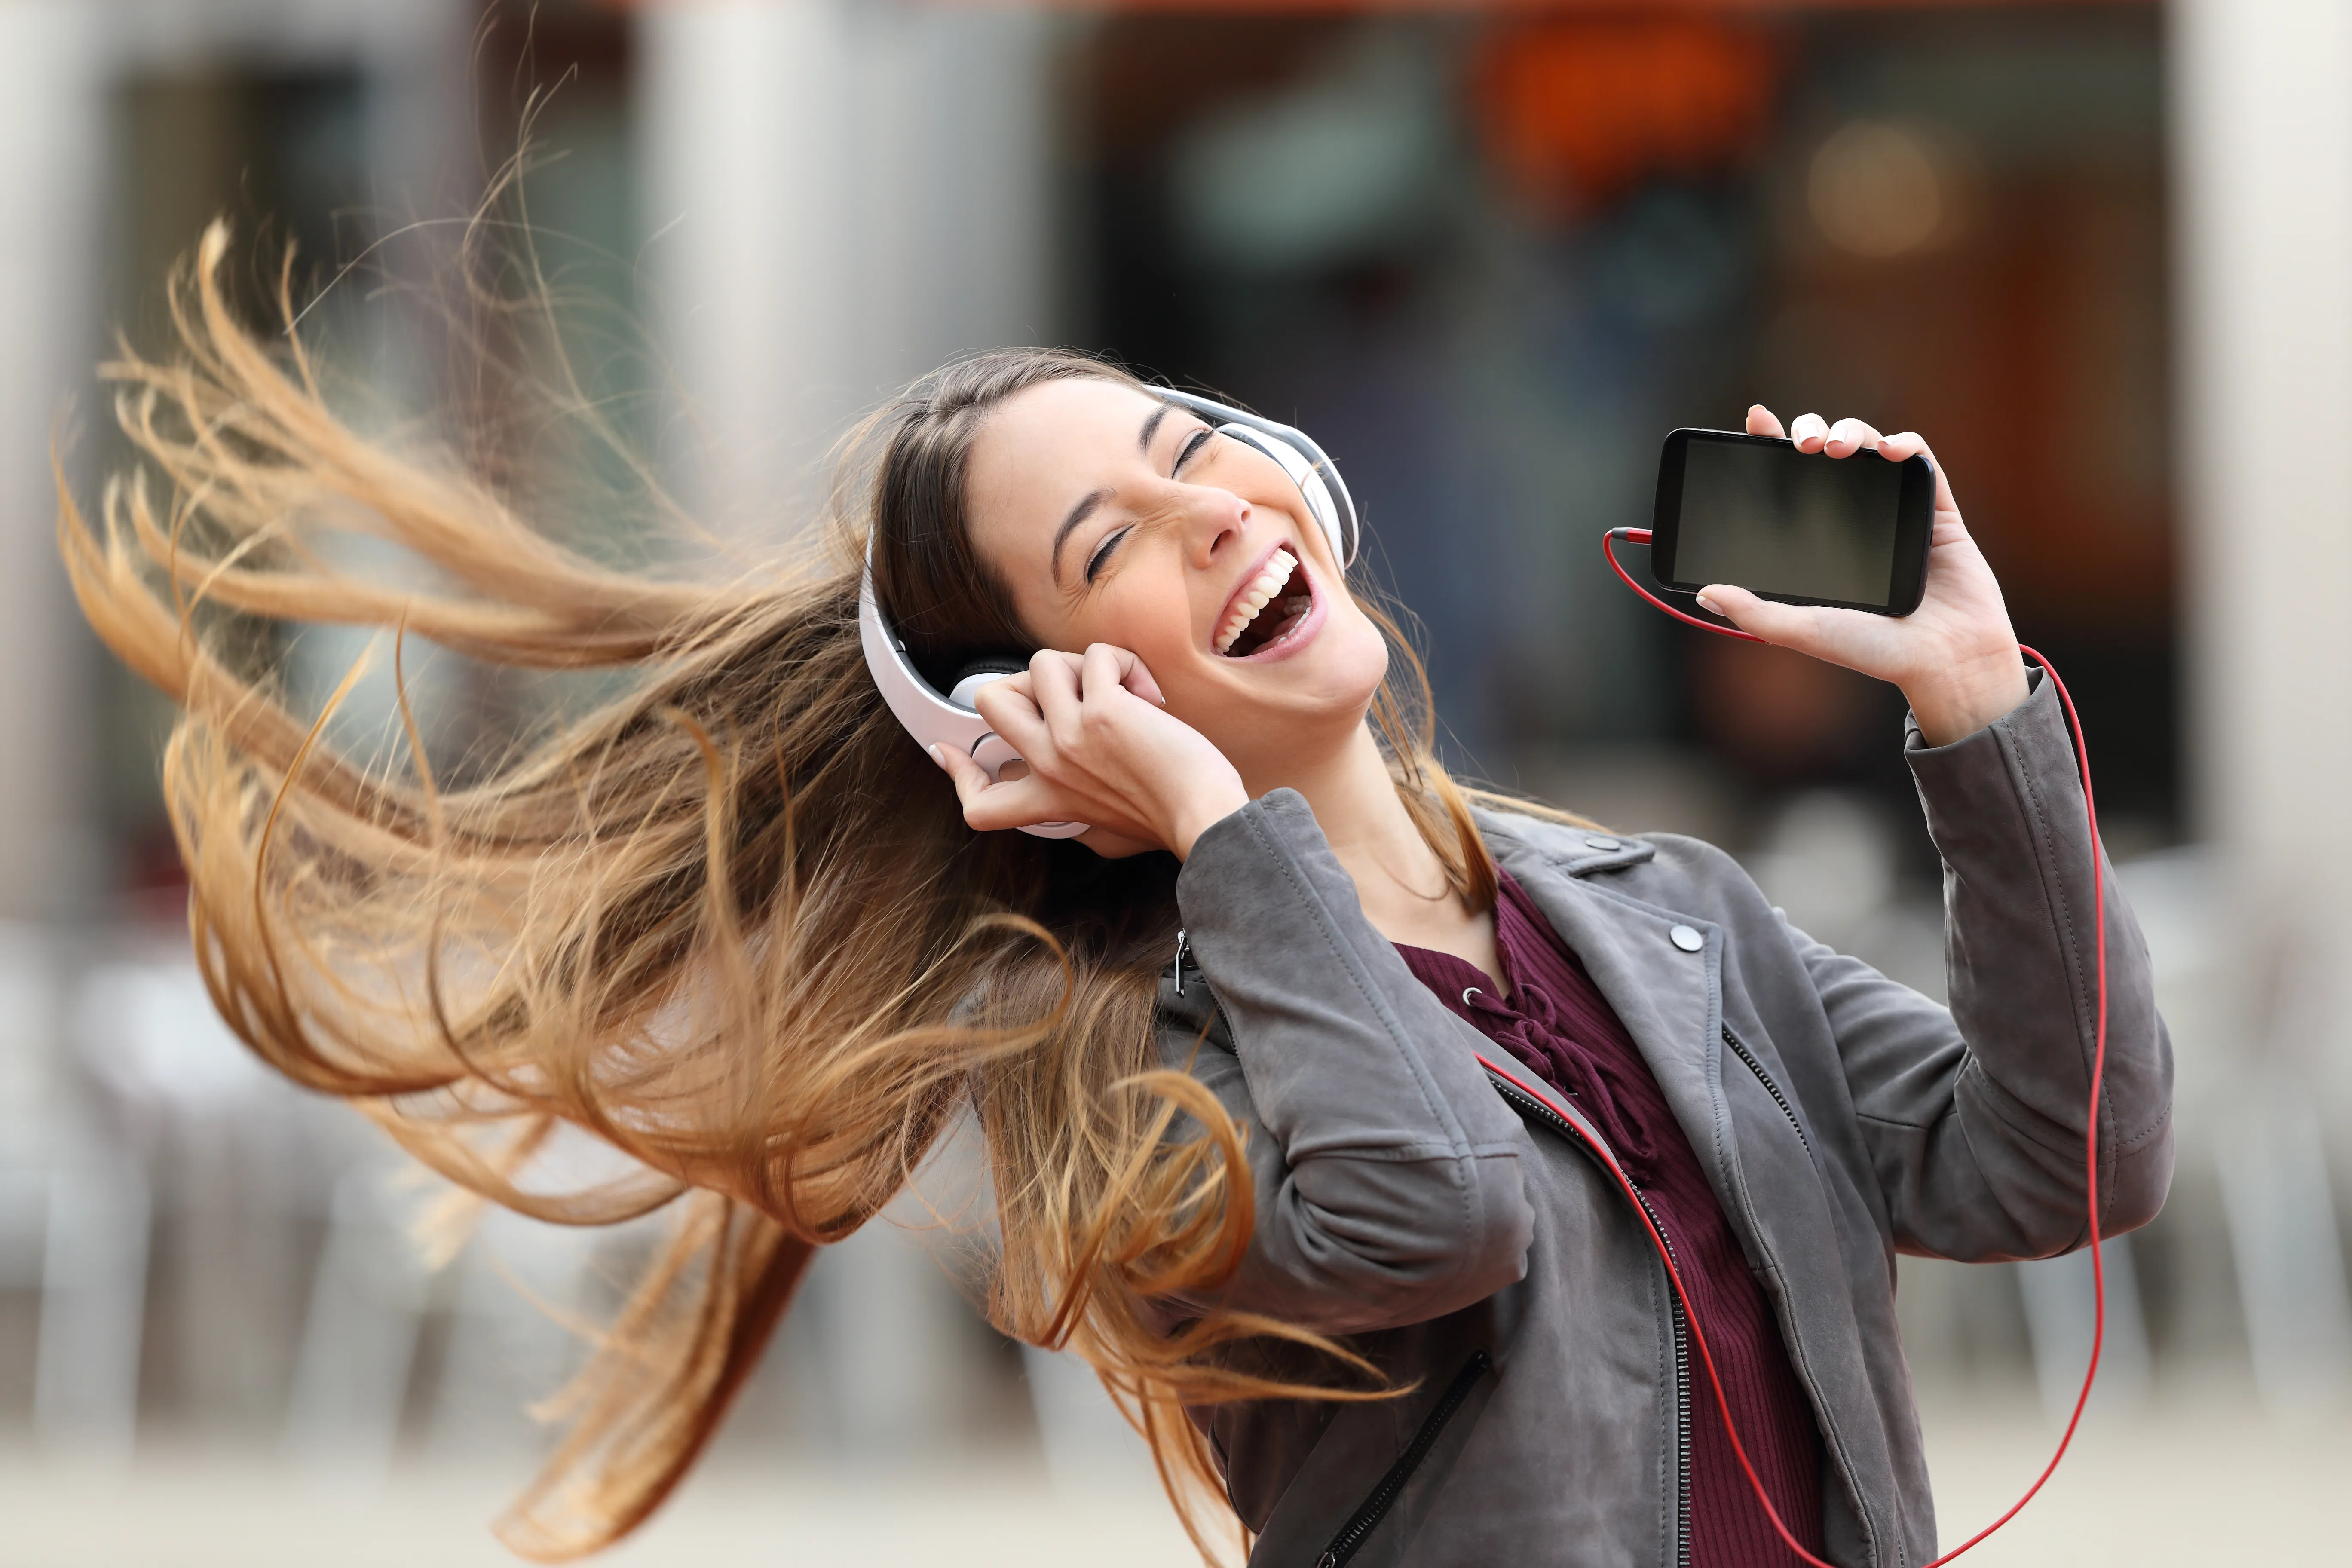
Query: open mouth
{"x": 1269, "y": 608}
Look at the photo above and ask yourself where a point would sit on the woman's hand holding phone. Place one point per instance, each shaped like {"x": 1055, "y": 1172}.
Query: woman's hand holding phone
{"x": 1956, "y": 657}
{"x": 1099, "y": 748}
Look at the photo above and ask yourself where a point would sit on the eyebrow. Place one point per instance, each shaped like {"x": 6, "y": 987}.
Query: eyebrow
{"x": 1078, "y": 514}
{"x": 1151, "y": 427}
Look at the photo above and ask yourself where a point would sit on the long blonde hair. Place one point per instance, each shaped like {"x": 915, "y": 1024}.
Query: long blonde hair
{"x": 730, "y": 922}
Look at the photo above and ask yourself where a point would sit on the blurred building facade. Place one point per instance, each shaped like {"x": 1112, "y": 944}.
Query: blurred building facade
{"x": 2095, "y": 251}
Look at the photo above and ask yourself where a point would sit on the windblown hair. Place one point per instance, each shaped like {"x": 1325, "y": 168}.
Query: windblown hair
{"x": 730, "y": 922}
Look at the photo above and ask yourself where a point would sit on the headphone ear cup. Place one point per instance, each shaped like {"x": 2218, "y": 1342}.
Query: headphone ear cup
{"x": 978, "y": 672}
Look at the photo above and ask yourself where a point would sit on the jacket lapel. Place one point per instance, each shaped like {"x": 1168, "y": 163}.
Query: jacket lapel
{"x": 1670, "y": 1000}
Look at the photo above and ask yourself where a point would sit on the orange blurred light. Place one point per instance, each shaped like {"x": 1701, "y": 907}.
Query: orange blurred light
{"x": 1572, "y": 111}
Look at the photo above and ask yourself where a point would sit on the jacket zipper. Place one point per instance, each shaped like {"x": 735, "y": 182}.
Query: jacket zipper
{"x": 1682, "y": 1397}
{"x": 1183, "y": 957}
{"x": 1770, "y": 1087}
{"x": 1528, "y": 1104}
{"x": 1375, "y": 1507}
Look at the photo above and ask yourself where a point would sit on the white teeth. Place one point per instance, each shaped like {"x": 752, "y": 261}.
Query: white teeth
{"x": 1256, "y": 597}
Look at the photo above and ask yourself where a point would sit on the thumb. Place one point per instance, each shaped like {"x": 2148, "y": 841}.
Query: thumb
{"x": 1787, "y": 624}
{"x": 968, "y": 778}
{"x": 1138, "y": 679}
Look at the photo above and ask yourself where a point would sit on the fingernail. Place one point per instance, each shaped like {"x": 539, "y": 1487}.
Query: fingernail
{"x": 938, "y": 761}
{"x": 1709, "y": 605}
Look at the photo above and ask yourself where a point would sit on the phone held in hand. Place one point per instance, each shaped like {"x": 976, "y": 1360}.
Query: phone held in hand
{"x": 1755, "y": 512}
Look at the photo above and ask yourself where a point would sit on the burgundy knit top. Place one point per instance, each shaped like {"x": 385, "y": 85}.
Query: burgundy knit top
{"x": 1557, "y": 1023}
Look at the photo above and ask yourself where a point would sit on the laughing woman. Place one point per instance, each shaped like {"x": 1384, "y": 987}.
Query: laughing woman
{"x": 1307, "y": 1079}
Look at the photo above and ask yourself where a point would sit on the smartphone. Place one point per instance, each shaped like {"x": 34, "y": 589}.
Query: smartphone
{"x": 1753, "y": 511}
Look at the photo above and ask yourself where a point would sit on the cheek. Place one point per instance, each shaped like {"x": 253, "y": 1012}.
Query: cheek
{"x": 1146, "y": 617}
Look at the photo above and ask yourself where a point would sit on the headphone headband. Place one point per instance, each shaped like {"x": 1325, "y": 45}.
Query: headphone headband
{"x": 934, "y": 720}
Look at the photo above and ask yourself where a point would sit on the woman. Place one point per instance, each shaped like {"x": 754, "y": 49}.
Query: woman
{"x": 1304, "y": 1082}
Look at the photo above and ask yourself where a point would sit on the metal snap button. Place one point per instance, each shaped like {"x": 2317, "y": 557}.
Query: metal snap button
{"x": 1602, "y": 844}
{"x": 1687, "y": 938}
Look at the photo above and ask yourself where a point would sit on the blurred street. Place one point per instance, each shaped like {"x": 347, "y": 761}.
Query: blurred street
{"x": 2199, "y": 1483}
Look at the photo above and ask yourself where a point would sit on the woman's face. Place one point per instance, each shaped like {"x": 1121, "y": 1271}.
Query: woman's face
{"x": 1112, "y": 516}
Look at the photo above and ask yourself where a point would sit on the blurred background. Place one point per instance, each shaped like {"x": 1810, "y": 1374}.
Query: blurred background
{"x": 1488, "y": 253}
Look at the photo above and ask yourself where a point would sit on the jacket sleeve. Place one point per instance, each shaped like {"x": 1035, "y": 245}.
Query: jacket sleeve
{"x": 1975, "y": 1119}
{"x": 1386, "y": 1169}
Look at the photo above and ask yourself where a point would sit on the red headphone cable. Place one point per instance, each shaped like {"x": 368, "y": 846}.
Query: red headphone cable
{"x": 2091, "y": 1156}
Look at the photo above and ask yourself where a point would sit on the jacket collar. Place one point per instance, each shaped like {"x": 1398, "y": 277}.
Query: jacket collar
{"x": 1670, "y": 998}
{"x": 1573, "y": 851}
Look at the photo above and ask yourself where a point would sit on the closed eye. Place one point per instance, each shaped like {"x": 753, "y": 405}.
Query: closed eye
{"x": 1192, "y": 445}
{"x": 1102, "y": 555}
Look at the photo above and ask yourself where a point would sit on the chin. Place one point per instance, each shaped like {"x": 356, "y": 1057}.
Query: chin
{"x": 1334, "y": 681}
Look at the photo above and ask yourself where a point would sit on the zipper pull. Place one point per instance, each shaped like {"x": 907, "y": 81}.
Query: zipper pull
{"x": 1183, "y": 952}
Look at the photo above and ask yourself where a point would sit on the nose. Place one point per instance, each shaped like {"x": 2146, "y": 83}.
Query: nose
{"x": 1217, "y": 518}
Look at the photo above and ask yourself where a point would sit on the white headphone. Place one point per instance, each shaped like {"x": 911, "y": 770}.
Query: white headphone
{"x": 954, "y": 719}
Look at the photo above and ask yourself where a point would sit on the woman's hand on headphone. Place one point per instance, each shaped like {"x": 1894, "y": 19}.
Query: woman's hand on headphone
{"x": 1100, "y": 748}
{"x": 1956, "y": 657}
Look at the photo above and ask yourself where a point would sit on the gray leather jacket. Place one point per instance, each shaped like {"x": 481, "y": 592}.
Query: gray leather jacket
{"x": 1471, "y": 1242}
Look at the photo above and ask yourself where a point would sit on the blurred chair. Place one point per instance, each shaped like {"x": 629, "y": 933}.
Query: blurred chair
{"x": 73, "y": 1220}
{"x": 2277, "y": 1189}
{"x": 193, "y": 1176}
{"x": 516, "y": 1295}
{"x": 360, "y": 1337}
{"x": 2061, "y": 1311}
{"x": 1088, "y": 1444}
{"x": 891, "y": 1338}
{"x": 26, "y": 1023}
{"x": 93, "y": 1302}
{"x": 2255, "y": 1015}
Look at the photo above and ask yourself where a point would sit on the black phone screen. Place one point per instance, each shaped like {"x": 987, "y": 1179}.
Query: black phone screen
{"x": 1755, "y": 511}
